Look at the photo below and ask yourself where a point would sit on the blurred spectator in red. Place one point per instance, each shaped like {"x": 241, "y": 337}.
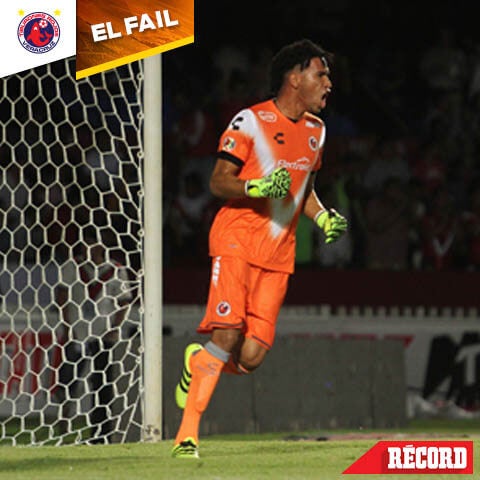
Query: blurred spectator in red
{"x": 442, "y": 235}
{"x": 387, "y": 217}
{"x": 430, "y": 168}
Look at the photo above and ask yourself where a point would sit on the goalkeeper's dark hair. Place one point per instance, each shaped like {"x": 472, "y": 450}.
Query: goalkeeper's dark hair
{"x": 297, "y": 53}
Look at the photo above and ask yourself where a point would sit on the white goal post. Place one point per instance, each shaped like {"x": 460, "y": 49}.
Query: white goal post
{"x": 81, "y": 255}
{"x": 153, "y": 250}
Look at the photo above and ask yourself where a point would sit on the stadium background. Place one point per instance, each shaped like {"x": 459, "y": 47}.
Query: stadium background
{"x": 402, "y": 126}
{"x": 401, "y": 162}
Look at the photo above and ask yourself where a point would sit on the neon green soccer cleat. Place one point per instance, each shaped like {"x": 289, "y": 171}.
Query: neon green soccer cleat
{"x": 186, "y": 449}
{"x": 183, "y": 385}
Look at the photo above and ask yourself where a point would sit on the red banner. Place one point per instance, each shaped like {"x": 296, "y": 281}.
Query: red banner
{"x": 419, "y": 457}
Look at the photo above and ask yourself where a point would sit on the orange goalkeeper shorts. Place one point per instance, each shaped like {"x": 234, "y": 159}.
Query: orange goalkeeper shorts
{"x": 246, "y": 297}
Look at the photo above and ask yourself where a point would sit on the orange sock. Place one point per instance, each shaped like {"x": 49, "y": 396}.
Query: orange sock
{"x": 206, "y": 370}
{"x": 234, "y": 368}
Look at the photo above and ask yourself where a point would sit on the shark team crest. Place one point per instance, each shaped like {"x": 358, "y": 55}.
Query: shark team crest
{"x": 38, "y": 32}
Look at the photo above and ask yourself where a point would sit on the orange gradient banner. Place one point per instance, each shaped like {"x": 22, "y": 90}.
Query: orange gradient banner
{"x": 110, "y": 34}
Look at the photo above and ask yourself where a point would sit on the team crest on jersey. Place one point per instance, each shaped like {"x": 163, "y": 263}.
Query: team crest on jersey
{"x": 269, "y": 117}
{"x": 223, "y": 309}
{"x": 313, "y": 142}
{"x": 38, "y": 32}
{"x": 229, "y": 144}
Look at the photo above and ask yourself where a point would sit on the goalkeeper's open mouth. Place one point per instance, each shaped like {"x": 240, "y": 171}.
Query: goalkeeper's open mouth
{"x": 324, "y": 98}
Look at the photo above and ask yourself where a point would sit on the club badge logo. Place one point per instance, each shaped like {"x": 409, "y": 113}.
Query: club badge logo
{"x": 312, "y": 141}
{"x": 38, "y": 32}
{"x": 223, "y": 309}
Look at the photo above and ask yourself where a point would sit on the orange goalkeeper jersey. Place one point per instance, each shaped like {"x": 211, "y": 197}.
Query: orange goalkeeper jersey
{"x": 260, "y": 139}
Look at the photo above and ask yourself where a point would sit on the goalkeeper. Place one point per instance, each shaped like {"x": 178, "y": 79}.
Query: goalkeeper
{"x": 267, "y": 160}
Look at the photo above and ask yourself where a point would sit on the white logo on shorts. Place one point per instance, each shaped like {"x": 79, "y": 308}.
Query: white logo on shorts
{"x": 216, "y": 270}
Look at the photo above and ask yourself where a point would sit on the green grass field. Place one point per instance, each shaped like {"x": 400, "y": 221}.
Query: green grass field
{"x": 226, "y": 457}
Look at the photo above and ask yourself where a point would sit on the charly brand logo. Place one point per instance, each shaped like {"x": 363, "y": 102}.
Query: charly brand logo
{"x": 38, "y": 32}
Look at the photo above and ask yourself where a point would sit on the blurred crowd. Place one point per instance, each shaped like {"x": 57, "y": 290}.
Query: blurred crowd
{"x": 400, "y": 161}
{"x": 403, "y": 139}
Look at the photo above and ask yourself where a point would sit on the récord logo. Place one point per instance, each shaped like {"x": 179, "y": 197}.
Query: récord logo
{"x": 420, "y": 457}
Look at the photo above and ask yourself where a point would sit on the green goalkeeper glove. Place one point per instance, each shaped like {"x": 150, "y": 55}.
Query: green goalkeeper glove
{"x": 275, "y": 185}
{"x": 332, "y": 223}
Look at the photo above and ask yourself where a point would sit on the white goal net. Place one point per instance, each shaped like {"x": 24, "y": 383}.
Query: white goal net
{"x": 71, "y": 256}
